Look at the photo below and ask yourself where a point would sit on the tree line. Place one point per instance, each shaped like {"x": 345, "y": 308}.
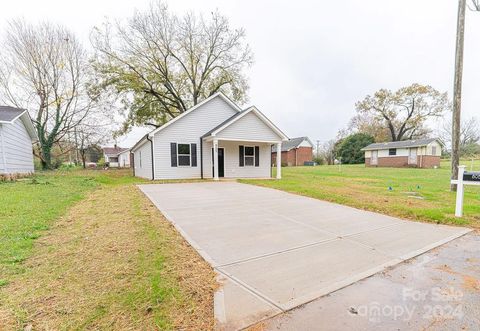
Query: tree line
{"x": 142, "y": 71}
{"x": 399, "y": 115}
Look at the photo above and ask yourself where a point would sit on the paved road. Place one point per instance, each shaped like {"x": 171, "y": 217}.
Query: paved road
{"x": 438, "y": 290}
{"x": 275, "y": 251}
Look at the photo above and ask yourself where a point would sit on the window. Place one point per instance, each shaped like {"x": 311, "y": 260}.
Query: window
{"x": 249, "y": 156}
{"x": 113, "y": 159}
{"x": 183, "y": 154}
{"x": 434, "y": 150}
{"x": 140, "y": 158}
{"x": 392, "y": 151}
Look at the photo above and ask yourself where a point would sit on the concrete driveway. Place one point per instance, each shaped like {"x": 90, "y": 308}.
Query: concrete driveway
{"x": 275, "y": 251}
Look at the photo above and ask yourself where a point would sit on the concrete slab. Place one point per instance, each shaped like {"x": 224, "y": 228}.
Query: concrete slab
{"x": 298, "y": 276}
{"x": 236, "y": 307}
{"x": 278, "y": 250}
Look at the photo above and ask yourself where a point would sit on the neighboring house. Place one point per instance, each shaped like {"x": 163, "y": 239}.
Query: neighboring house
{"x": 420, "y": 153}
{"x": 17, "y": 134}
{"x": 295, "y": 152}
{"x": 111, "y": 155}
{"x": 124, "y": 159}
{"x": 213, "y": 139}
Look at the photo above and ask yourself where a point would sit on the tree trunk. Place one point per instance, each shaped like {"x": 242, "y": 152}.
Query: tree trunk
{"x": 46, "y": 156}
{"x": 457, "y": 92}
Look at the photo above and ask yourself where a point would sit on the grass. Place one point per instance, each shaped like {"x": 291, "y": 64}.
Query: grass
{"x": 100, "y": 256}
{"x": 417, "y": 194}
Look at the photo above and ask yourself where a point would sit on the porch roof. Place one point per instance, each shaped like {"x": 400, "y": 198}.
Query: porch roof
{"x": 212, "y": 134}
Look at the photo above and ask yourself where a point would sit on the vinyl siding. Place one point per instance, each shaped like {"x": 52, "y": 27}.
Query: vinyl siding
{"x": 124, "y": 159}
{"x": 232, "y": 168}
{"x": 188, "y": 130}
{"x": 17, "y": 148}
{"x": 249, "y": 127}
{"x": 143, "y": 168}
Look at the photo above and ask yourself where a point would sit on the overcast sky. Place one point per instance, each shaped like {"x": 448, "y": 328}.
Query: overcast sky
{"x": 313, "y": 59}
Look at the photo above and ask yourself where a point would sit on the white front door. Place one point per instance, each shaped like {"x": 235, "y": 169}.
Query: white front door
{"x": 374, "y": 158}
{"x": 412, "y": 157}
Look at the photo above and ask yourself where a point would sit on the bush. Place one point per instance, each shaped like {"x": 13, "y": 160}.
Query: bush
{"x": 350, "y": 148}
{"x": 319, "y": 160}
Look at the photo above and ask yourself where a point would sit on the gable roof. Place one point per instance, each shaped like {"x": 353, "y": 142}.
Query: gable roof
{"x": 198, "y": 105}
{"x": 401, "y": 144}
{"x": 8, "y": 115}
{"x": 241, "y": 114}
{"x": 294, "y": 143}
{"x": 113, "y": 150}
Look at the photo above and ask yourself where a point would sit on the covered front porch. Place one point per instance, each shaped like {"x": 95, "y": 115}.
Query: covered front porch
{"x": 241, "y": 147}
{"x": 236, "y": 158}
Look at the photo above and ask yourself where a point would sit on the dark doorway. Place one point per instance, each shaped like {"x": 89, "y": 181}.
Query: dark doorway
{"x": 221, "y": 163}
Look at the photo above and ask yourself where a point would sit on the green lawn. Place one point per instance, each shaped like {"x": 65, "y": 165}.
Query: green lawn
{"x": 29, "y": 207}
{"x": 84, "y": 249}
{"x": 418, "y": 194}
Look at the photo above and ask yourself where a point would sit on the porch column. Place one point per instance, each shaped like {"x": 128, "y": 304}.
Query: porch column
{"x": 279, "y": 160}
{"x": 215, "y": 159}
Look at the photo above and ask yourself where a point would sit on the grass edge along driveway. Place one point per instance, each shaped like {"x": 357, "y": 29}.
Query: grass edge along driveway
{"x": 107, "y": 259}
{"x": 410, "y": 193}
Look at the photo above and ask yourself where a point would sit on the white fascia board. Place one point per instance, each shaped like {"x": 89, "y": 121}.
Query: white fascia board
{"x": 173, "y": 120}
{"x": 139, "y": 143}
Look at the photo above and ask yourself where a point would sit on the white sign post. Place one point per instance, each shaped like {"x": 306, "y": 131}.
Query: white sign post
{"x": 459, "y": 201}
{"x": 464, "y": 178}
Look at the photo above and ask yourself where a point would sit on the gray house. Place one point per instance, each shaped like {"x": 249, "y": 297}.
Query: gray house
{"x": 16, "y": 137}
{"x": 213, "y": 139}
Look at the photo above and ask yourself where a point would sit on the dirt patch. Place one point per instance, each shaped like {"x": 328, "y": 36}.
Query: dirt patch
{"x": 114, "y": 262}
{"x": 469, "y": 282}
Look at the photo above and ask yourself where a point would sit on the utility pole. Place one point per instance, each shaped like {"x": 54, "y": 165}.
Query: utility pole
{"x": 457, "y": 91}
{"x": 318, "y": 149}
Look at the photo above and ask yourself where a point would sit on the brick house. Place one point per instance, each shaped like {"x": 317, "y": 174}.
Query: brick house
{"x": 419, "y": 153}
{"x": 295, "y": 152}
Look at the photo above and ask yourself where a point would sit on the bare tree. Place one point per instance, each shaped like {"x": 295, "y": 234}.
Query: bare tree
{"x": 469, "y": 132}
{"x": 88, "y": 136}
{"x": 43, "y": 68}
{"x": 457, "y": 88}
{"x": 160, "y": 64}
{"x": 405, "y": 111}
{"x": 327, "y": 151}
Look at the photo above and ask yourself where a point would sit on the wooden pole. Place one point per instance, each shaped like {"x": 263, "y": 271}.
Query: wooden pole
{"x": 457, "y": 91}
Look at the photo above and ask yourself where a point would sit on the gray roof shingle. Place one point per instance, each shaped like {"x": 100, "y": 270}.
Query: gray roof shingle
{"x": 399, "y": 144}
{"x": 8, "y": 114}
{"x": 292, "y": 143}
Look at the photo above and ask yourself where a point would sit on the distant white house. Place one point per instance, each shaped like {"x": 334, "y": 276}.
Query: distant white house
{"x": 124, "y": 159}
{"x": 17, "y": 134}
{"x": 213, "y": 139}
{"x": 116, "y": 156}
{"x": 419, "y": 153}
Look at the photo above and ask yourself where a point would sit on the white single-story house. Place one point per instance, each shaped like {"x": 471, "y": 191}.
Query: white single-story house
{"x": 419, "y": 153}
{"x": 17, "y": 134}
{"x": 124, "y": 159}
{"x": 111, "y": 155}
{"x": 213, "y": 139}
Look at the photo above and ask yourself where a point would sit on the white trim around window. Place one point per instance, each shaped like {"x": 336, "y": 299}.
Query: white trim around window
{"x": 184, "y": 155}
{"x": 245, "y": 156}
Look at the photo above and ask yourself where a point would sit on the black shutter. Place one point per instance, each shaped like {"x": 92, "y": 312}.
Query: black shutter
{"x": 173, "y": 154}
{"x": 240, "y": 155}
{"x": 193, "y": 152}
{"x": 257, "y": 156}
